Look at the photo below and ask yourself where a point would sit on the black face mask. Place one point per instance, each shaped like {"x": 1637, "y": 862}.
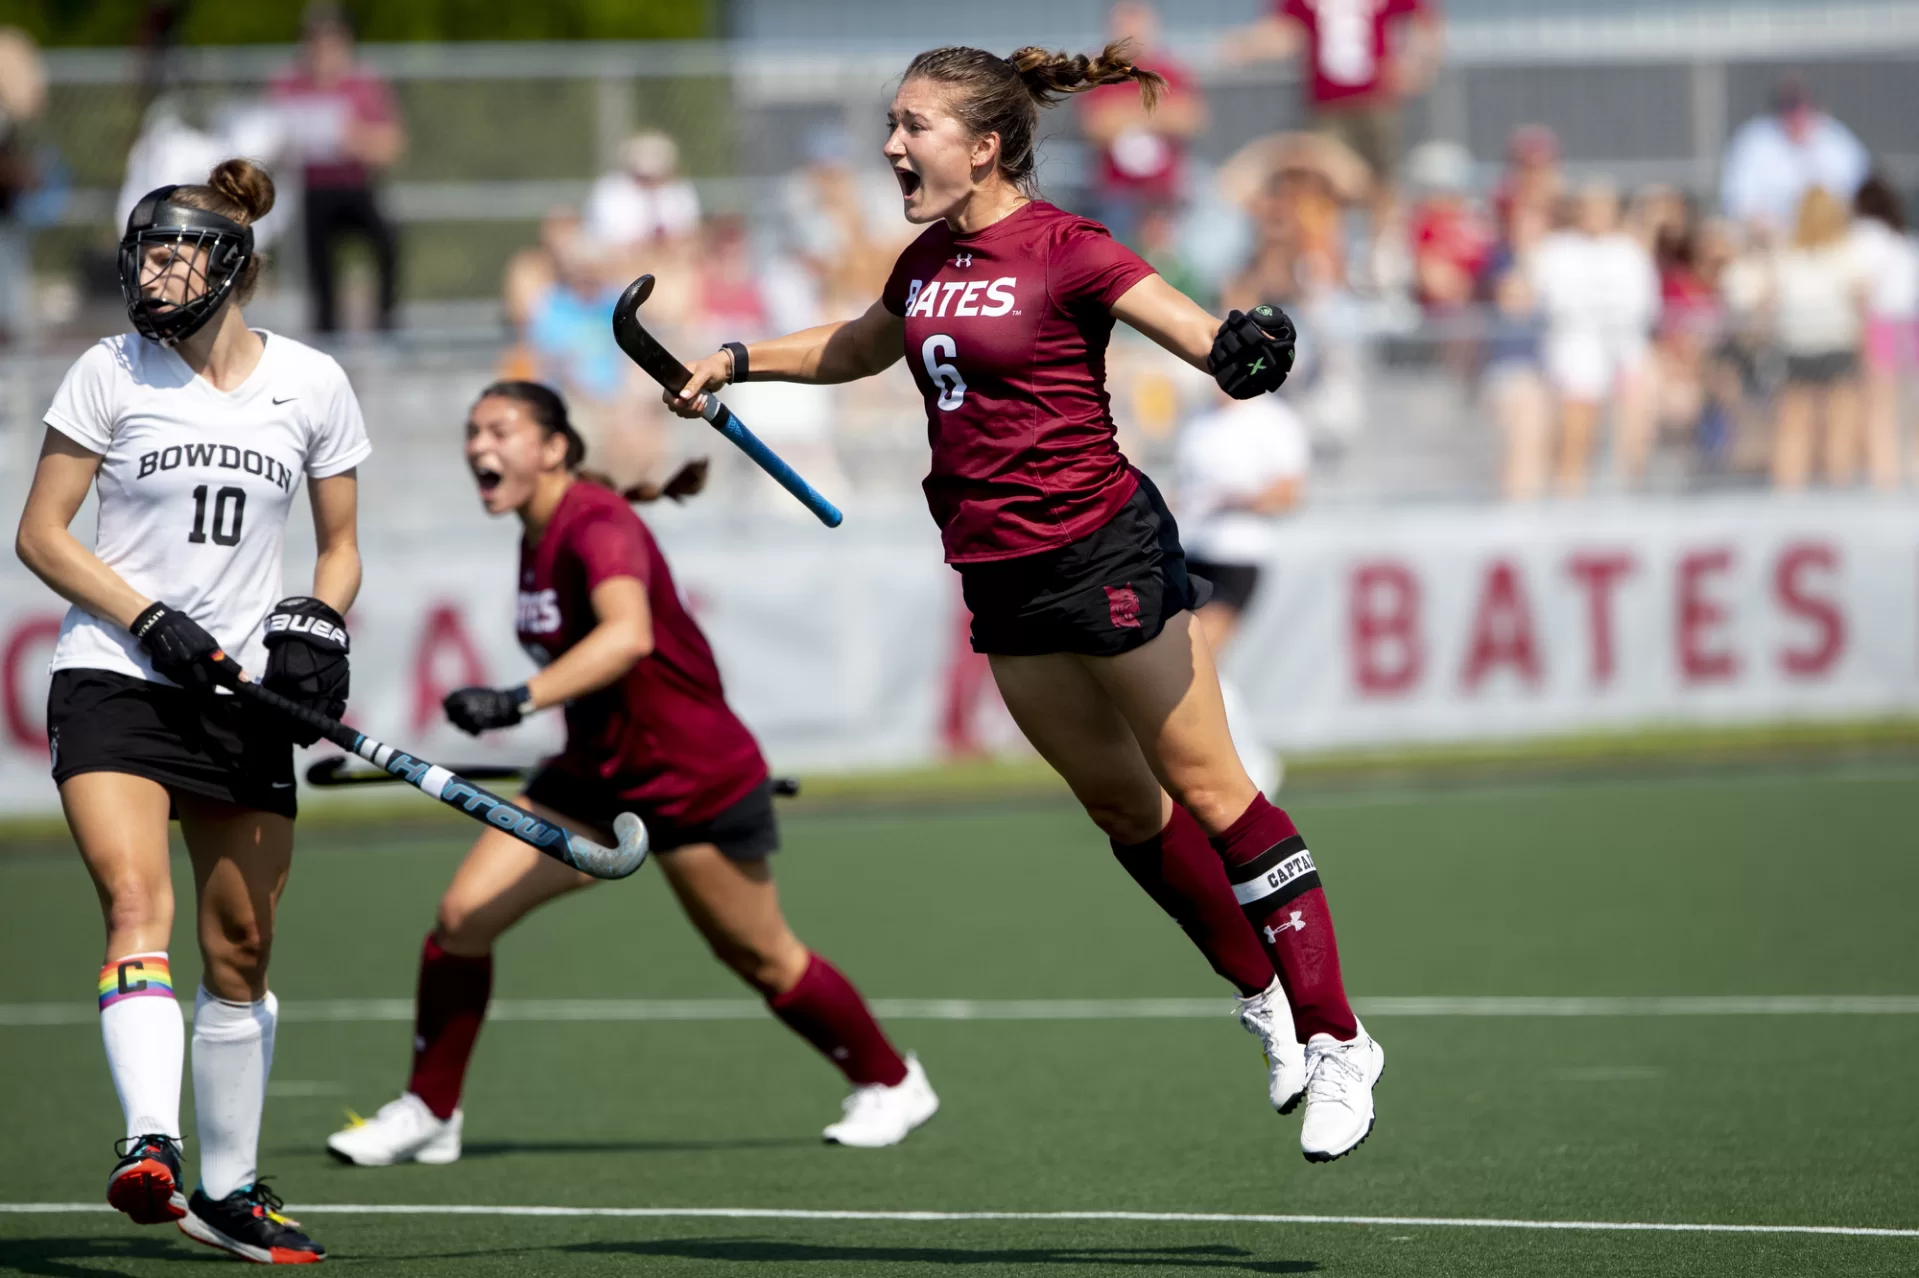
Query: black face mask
{"x": 157, "y": 221}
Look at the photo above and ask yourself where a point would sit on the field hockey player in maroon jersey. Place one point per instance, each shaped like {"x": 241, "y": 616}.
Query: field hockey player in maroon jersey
{"x": 648, "y": 730}
{"x": 1069, "y": 560}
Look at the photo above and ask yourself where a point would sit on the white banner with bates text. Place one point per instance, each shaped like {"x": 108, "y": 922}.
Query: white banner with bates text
{"x": 1370, "y": 628}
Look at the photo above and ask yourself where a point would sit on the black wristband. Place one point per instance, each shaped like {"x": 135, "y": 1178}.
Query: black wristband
{"x": 738, "y": 351}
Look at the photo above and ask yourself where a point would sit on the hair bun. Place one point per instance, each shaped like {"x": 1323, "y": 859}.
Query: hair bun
{"x": 246, "y": 184}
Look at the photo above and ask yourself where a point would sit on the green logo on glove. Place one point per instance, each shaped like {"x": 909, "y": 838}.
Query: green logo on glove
{"x": 1263, "y": 311}
{"x": 1257, "y": 365}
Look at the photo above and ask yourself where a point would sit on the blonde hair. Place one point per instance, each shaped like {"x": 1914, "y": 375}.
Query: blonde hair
{"x": 999, "y": 95}
{"x": 1821, "y": 221}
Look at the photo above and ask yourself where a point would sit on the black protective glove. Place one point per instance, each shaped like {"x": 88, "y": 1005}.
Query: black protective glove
{"x": 179, "y": 647}
{"x": 1253, "y": 353}
{"x": 307, "y": 650}
{"x": 477, "y": 710}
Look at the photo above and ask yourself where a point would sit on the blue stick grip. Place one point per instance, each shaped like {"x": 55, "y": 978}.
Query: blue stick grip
{"x": 769, "y": 461}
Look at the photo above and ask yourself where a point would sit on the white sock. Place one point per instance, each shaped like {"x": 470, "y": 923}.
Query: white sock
{"x": 232, "y": 1055}
{"x": 145, "y": 1040}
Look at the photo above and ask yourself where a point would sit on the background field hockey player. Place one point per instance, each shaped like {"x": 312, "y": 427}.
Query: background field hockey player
{"x": 1068, "y": 557}
{"x": 196, "y": 430}
{"x": 648, "y": 730}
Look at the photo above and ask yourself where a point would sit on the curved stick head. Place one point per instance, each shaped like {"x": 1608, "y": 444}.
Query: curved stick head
{"x": 614, "y": 862}
{"x": 635, "y": 296}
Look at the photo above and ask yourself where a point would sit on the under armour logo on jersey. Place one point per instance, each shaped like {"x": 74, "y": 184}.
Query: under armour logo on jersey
{"x": 1292, "y": 923}
{"x": 962, "y": 259}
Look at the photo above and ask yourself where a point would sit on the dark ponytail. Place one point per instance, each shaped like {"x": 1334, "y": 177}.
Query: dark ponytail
{"x": 544, "y": 405}
{"x": 999, "y": 95}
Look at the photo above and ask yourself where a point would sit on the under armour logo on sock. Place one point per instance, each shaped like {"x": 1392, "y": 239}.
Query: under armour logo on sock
{"x": 1292, "y": 923}
{"x": 841, "y": 1053}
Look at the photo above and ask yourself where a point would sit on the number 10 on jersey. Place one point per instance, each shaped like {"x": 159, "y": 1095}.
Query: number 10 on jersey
{"x": 229, "y": 508}
{"x": 952, "y": 386}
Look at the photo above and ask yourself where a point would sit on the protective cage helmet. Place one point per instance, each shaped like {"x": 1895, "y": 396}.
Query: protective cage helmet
{"x": 159, "y": 220}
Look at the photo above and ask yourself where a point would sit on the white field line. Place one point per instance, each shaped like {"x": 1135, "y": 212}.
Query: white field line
{"x": 346, "y": 1011}
{"x": 1155, "y": 1217}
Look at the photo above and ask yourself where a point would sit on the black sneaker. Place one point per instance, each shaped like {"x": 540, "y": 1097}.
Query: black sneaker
{"x": 248, "y": 1223}
{"x": 145, "y": 1183}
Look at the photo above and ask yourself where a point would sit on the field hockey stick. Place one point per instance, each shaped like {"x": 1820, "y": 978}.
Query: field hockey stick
{"x": 645, "y": 350}
{"x": 331, "y": 772}
{"x": 459, "y": 793}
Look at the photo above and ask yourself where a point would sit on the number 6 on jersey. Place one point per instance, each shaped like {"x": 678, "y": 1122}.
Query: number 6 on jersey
{"x": 945, "y": 376}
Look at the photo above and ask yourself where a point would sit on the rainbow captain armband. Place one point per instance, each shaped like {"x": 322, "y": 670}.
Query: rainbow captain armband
{"x": 136, "y": 976}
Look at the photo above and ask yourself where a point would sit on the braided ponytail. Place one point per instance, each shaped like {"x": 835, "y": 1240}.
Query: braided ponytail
{"x": 991, "y": 94}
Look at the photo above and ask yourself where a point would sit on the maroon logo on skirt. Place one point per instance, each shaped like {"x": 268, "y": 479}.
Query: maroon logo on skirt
{"x": 1123, "y": 605}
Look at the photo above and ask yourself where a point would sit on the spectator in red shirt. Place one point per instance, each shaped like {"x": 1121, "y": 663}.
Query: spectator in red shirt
{"x": 1358, "y": 70}
{"x": 1141, "y": 154}
{"x": 344, "y": 126}
{"x": 1451, "y": 241}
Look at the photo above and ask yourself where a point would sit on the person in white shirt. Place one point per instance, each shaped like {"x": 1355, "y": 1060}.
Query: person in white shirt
{"x": 1599, "y": 292}
{"x": 644, "y": 200}
{"x": 1774, "y": 158}
{"x": 1240, "y": 467}
{"x": 195, "y": 430}
{"x": 1819, "y": 286}
{"x": 1892, "y": 323}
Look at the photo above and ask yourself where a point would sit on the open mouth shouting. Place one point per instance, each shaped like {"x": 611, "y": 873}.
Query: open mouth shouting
{"x": 487, "y": 479}
{"x": 909, "y": 182}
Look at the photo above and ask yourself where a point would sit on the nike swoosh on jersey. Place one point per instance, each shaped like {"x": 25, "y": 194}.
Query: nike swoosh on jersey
{"x": 288, "y": 400}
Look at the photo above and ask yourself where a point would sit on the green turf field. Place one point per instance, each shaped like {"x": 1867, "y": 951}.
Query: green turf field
{"x": 1763, "y": 884}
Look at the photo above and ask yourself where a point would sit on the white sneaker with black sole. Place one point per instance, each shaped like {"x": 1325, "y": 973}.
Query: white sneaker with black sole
{"x": 877, "y": 1116}
{"x": 403, "y": 1131}
{"x": 1339, "y": 1094}
{"x": 1268, "y": 1017}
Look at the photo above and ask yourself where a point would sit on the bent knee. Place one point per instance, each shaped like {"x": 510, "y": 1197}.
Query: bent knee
{"x": 465, "y": 926}
{"x": 138, "y": 909}
{"x": 1125, "y": 819}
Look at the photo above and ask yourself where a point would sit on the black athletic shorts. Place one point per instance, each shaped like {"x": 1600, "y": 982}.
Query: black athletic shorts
{"x": 746, "y": 831}
{"x": 1107, "y": 593}
{"x": 1233, "y": 584}
{"x": 193, "y": 743}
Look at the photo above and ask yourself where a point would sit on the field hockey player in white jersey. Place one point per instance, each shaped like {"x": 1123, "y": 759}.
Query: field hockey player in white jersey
{"x": 196, "y": 430}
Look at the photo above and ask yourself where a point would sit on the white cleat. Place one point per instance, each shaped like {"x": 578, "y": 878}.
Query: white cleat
{"x": 1339, "y": 1094}
{"x": 404, "y": 1131}
{"x": 1269, "y": 1018}
{"x": 877, "y": 1116}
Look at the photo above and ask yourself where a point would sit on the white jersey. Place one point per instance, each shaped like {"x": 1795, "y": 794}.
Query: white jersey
{"x": 1233, "y": 455}
{"x": 195, "y": 484}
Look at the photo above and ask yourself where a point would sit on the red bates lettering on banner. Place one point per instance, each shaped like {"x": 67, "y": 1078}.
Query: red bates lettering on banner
{"x": 1502, "y": 633}
{"x": 1828, "y": 622}
{"x": 25, "y": 730}
{"x": 1599, "y": 574}
{"x": 443, "y": 636}
{"x": 1383, "y": 636}
{"x": 1701, "y": 660}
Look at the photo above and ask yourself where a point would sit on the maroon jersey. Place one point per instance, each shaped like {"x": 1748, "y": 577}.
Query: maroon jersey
{"x": 1346, "y": 44}
{"x": 662, "y": 735}
{"x": 1006, "y": 333}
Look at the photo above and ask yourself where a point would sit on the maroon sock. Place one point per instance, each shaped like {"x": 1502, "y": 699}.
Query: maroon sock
{"x": 826, "y": 1011}
{"x": 448, "y": 1010}
{"x": 1274, "y": 878}
{"x": 1181, "y": 872}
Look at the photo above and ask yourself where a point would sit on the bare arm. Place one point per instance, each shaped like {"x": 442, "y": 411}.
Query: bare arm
{"x": 623, "y": 636}
{"x": 336, "y": 568}
{"x": 45, "y": 544}
{"x": 1276, "y": 498}
{"x": 1269, "y": 39}
{"x": 1170, "y": 318}
{"x": 822, "y": 356}
{"x": 1417, "y": 62}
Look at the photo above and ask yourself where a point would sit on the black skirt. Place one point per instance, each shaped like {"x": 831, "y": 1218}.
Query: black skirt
{"x": 211, "y": 746}
{"x": 1107, "y": 593}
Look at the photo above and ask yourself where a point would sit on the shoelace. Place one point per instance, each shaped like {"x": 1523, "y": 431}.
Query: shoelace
{"x": 1330, "y": 1076}
{"x": 127, "y": 1144}
{"x": 266, "y": 1202}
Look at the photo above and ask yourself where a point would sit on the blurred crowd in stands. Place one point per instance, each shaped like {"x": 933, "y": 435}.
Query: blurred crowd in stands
{"x": 1765, "y": 332}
